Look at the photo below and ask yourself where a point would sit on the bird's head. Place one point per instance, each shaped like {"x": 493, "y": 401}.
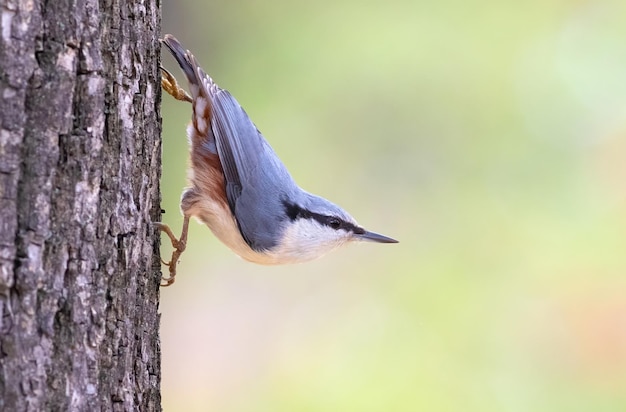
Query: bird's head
{"x": 316, "y": 226}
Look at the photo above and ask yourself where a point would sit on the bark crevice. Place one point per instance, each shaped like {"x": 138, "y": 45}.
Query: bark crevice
{"x": 79, "y": 187}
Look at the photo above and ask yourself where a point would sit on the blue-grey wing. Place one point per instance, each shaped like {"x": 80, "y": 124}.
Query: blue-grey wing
{"x": 256, "y": 179}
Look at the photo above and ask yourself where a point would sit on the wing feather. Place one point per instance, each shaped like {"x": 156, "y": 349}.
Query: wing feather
{"x": 255, "y": 178}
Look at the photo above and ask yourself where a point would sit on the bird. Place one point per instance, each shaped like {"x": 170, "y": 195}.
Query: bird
{"x": 240, "y": 189}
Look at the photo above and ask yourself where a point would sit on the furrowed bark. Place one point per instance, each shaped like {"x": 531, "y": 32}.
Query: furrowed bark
{"x": 79, "y": 187}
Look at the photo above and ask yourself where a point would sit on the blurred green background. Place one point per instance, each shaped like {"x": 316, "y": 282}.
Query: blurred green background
{"x": 488, "y": 137}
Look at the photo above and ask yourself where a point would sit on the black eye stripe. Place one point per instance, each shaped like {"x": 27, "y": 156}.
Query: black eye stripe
{"x": 334, "y": 223}
{"x": 295, "y": 212}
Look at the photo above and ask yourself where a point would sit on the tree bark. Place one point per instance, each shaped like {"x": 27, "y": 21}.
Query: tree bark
{"x": 79, "y": 186}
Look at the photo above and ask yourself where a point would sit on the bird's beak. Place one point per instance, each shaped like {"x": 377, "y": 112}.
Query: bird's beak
{"x": 375, "y": 237}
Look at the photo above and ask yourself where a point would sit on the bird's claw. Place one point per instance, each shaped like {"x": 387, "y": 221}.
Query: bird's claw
{"x": 170, "y": 85}
{"x": 179, "y": 246}
{"x": 167, "y": 281}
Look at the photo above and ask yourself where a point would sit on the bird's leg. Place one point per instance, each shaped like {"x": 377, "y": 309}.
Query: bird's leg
{"x": 170, "y": 85}
{"x": 179, "y": 246}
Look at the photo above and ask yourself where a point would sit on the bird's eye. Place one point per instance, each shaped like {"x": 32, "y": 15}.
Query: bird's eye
{"x": 334, "y": 223}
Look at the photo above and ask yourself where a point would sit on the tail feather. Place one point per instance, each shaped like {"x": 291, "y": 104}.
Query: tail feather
{"x": 200, "y": 82}
{"x": 184, "y": 58}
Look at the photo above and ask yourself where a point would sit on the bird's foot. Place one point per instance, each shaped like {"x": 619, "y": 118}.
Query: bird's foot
{"x": 179, "y": 246}
{"x": 170, "y": 85}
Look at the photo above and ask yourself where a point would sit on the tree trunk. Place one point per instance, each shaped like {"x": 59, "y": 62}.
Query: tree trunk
{"x": 79, "y": 185}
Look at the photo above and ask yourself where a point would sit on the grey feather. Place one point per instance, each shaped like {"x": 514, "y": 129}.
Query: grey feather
{"x": 256, "y": 180}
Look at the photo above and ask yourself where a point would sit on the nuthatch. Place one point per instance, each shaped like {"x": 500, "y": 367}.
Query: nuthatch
{"x": 239, "y": 187}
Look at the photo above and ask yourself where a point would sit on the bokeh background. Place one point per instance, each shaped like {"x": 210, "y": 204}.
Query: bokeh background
{"x": 489, "y": 137}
